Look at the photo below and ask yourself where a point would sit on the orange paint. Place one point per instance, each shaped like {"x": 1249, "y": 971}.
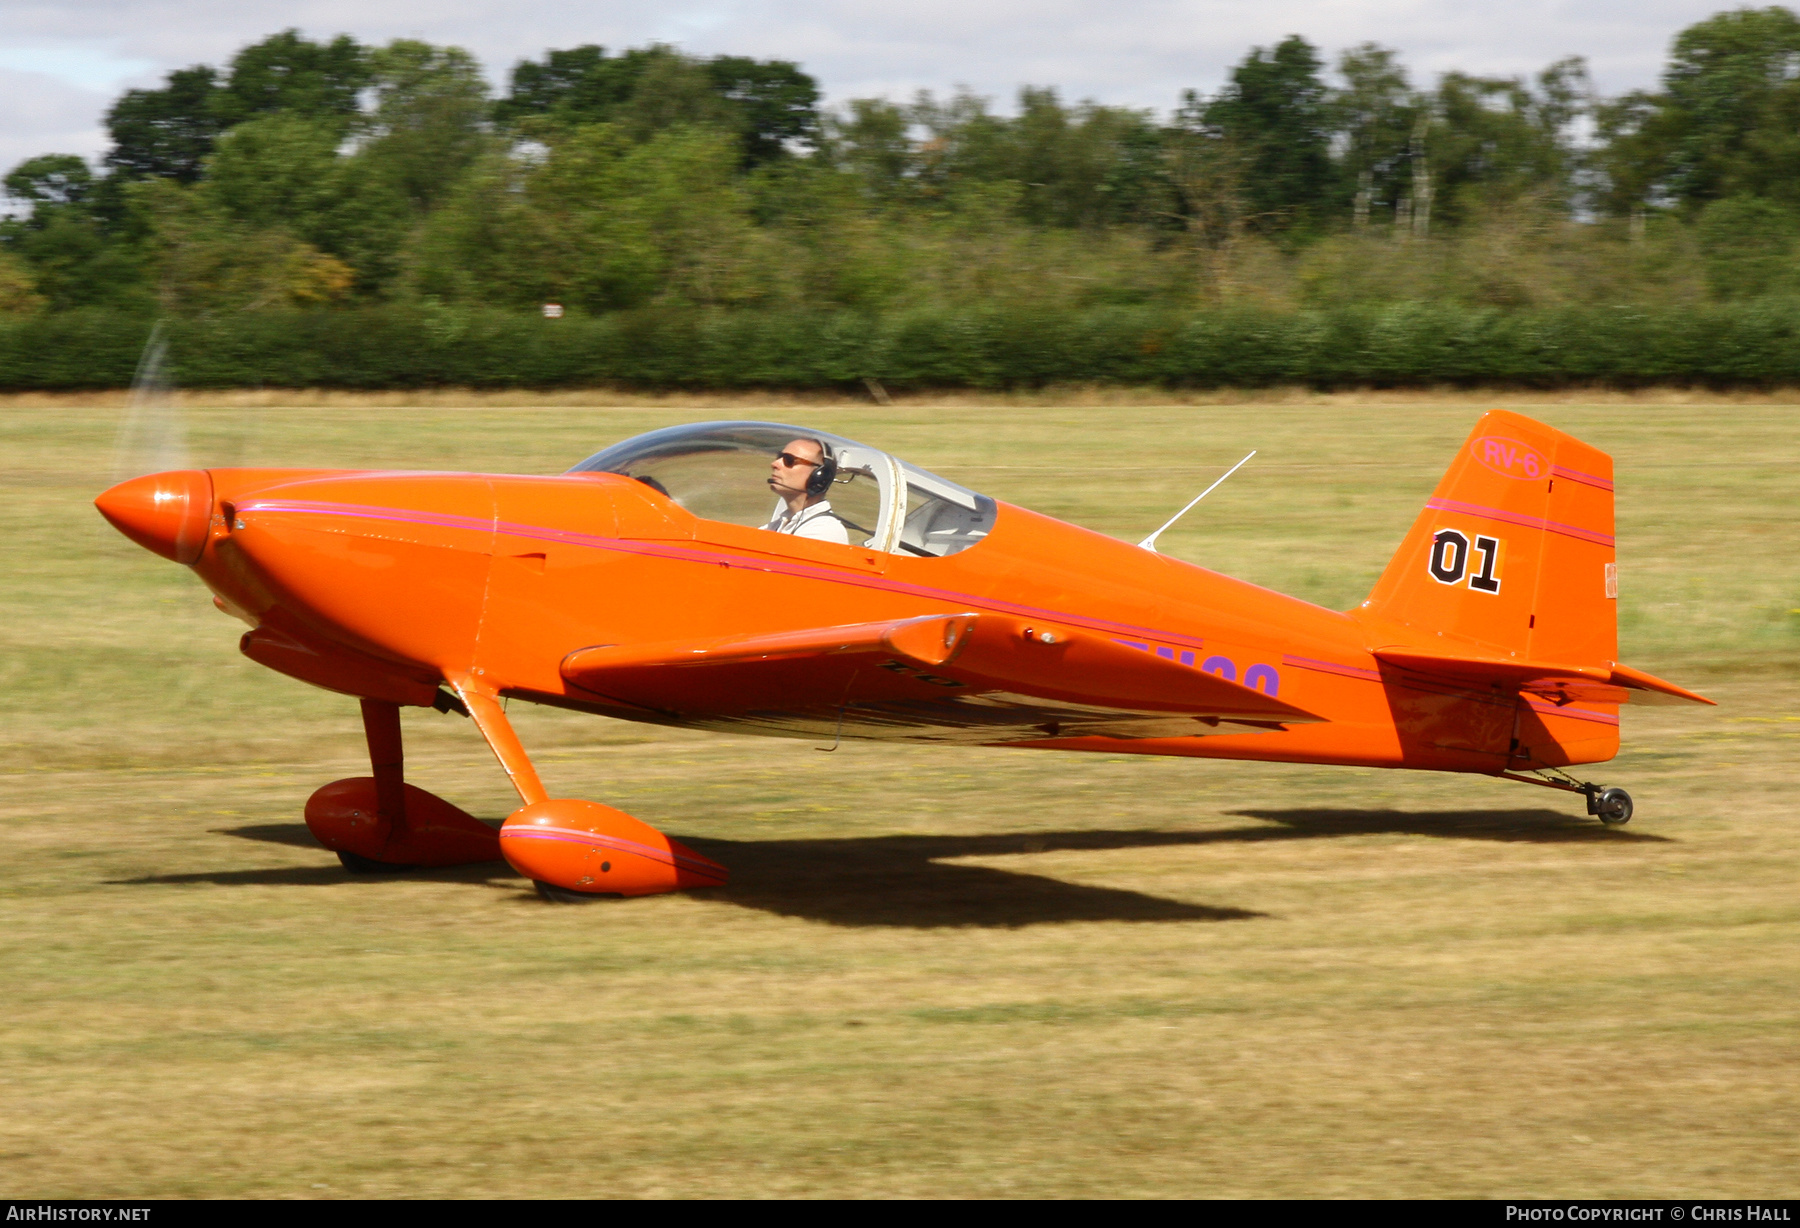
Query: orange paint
{"x": 587, "y": 847}
{"x": 642, "y": 586}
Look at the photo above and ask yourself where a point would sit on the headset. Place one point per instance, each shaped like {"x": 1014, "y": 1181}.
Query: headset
{"x": 824, "y": 473}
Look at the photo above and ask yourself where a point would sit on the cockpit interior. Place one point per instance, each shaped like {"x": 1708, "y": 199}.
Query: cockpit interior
{"x": 719, "y": 471}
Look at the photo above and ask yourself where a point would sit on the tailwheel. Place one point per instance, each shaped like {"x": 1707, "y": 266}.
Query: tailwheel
{"x": 356, "y": 863}
{"x": 1611, "y": 806}
{"x": 552, "y": 894}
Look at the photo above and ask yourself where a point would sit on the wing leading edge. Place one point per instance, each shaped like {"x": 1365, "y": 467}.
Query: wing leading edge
{"x": 966, "y": 677}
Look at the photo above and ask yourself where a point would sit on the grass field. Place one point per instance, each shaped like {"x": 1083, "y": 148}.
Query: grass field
{"x": 937, "y": 972}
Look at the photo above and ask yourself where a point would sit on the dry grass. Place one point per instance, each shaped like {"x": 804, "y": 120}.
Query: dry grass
{"x": 937, "y": 972}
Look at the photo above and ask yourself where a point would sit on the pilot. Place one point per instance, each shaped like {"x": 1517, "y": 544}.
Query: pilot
{"x": 800, "y": 475}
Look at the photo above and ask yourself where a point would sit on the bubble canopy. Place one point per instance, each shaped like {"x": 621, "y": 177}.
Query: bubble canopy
{"x": 720, "y": 471}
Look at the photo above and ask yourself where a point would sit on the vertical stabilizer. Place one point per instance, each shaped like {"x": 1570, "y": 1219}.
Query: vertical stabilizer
{"x": 1513, "y": 552}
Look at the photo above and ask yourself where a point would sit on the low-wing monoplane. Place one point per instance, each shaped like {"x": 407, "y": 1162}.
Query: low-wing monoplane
{"x": 647, "y": 584}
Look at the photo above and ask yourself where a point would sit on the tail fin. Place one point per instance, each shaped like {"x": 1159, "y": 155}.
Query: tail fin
{"x": 1513, "y": 553}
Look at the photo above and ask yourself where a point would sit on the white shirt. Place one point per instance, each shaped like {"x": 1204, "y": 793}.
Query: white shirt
{"x": 815, "y": 522}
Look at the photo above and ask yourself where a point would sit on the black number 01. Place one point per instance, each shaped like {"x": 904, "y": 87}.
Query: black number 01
{"x": 1449, "y": 561}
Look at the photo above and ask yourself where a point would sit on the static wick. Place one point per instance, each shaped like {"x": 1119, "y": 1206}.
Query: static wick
{"x": 838, "y": 739}
{"x": 1149, "y": 543}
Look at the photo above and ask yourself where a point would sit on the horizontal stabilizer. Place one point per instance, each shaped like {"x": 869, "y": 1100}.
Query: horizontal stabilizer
{"x": 1650, "y": 685}
{"x": 979, "y": 671}
{"x": 1611, "y": 683}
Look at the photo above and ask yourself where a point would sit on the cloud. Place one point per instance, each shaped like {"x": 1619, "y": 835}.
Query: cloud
{"x": 1129, "y": 52}
{"x": 78, "y": 64}
{"x": 48, "y": 115}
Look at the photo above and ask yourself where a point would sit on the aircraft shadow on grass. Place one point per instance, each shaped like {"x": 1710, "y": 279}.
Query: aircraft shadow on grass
{"x": 1506, "y": 826}
{"x": 911, "y": 881}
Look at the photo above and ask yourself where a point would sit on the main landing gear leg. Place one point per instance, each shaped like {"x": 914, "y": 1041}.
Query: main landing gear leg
{"x": 381, "y": 825}
{"x": 1611, "y": 806}
{"x": 573, "y": 850}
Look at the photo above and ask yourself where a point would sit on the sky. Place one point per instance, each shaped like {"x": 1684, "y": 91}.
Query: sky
{"x": 62, "y": 62}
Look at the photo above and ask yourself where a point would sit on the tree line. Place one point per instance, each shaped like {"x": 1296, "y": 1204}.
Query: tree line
{"x": 336, "y": 175}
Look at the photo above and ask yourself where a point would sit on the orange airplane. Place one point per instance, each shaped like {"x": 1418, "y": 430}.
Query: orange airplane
{"x": 655, "y": 582}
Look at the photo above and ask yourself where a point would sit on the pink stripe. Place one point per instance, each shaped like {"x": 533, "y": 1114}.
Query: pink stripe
{"x": 617, "y": 843}
{"x": 695, "y": 554}
{"x": 1407, "y": 680}
{"x": 1331, "y": 667}
{"x": 700, "y": 555}
{"x": 1576, "y": 475}
{"x": 1576, "y": 714}
{"x": 1519, "y": 518}
{"x": 356, "y": 511}
{"x": 565, "y": 836}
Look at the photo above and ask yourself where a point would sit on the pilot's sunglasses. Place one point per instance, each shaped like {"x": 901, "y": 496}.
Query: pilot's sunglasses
{"x": 790, "y": 460}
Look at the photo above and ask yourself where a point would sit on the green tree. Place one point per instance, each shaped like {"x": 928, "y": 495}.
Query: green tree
{"x": 278, "y": 170}
{"x": 205, "y": 260}
{"x": 286, "y": 172}
{"x": 167, "y": 132}
{"x": 674, "y": 90}
{"x": 1725, "y": 74}
{"x": 74, "y": 262}
{"x": 604, "y": 221}
{"x": 429, "y": 121}
{"x": 18, "y": 288}
{"x": 288, "y": 73}
{"x": 50, "y": 180}
{"x": 73, "y": 257}
{"x": 1047, "y": 161}
{"x": 1375, "y": 112}
{"x": 372, "y": 221}
{"x": 1083, "y": 166}
{"x": 1748, "y": 244}
{"x": 1771, "y": 165}
{"x": 1636, "y": 138}
{"x": 1210, "y": 202}
{"x": 872, "y": 141}
{"x": 577, "y": 85}
{"x": 777, "y": 105}
{"x": 1494, "y": 139}
{"x": 964, "y": 142}
{"x": 769, "y": 104}
{"x": 1274, "y": 110}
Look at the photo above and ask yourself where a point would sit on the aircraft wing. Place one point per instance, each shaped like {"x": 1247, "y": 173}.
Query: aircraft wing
{"x": 1610, "y": 684}
{"x": 969, "y": 677}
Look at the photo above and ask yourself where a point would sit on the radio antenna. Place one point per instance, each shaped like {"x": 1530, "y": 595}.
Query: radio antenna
{"x": 1149, "y": 543}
